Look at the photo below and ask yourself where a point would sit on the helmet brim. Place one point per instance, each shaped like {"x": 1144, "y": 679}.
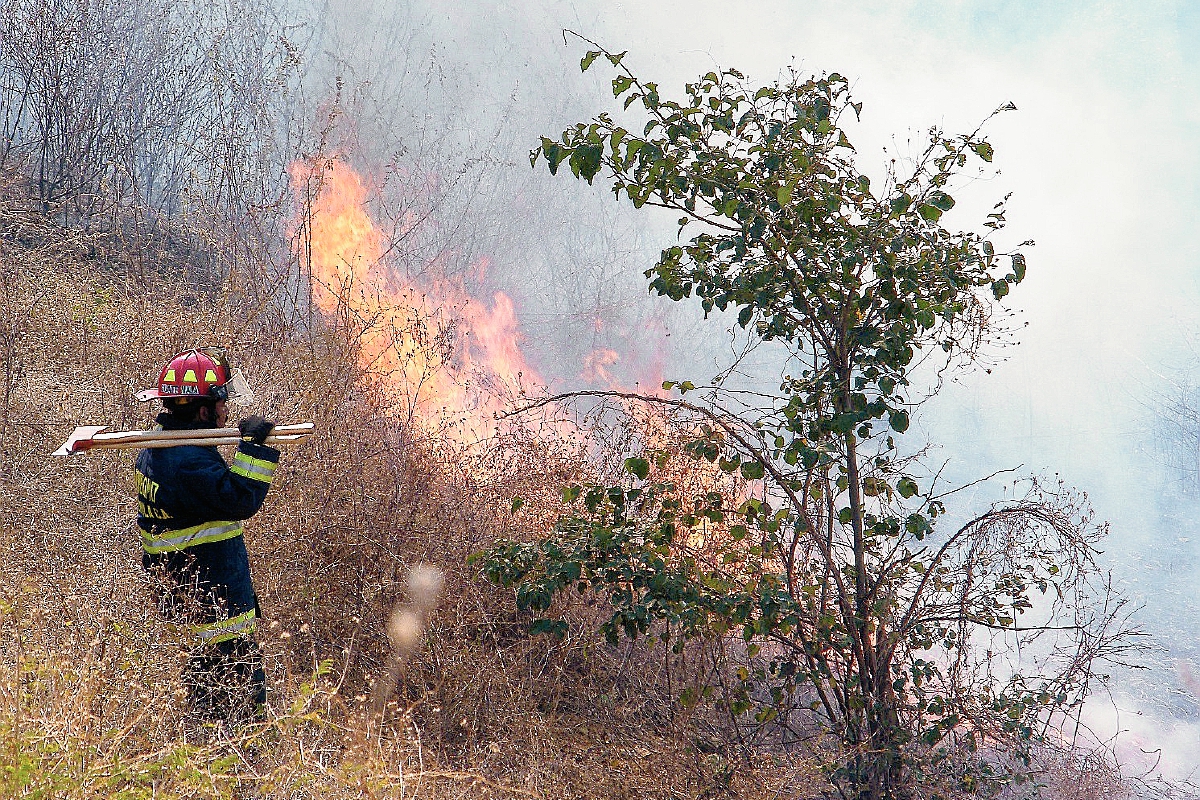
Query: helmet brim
{"x": 240, "y": 393}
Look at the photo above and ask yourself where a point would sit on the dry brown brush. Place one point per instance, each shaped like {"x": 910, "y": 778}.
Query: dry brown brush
{"x": 90, "y": 699}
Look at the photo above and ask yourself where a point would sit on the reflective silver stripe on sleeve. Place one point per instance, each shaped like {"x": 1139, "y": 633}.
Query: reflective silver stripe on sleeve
{"x": 258, "y": 469}
{"x": 226, "y": 629}
{"x": 168, "y": 541}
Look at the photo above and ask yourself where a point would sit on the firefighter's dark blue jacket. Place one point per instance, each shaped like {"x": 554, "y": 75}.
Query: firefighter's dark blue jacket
{"x": 190, "y": 507}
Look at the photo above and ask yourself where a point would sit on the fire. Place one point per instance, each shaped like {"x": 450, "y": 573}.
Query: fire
{"x": 596, "y": 367}
{"x": 599, "y": 370}
{"x": 441, "y": 354}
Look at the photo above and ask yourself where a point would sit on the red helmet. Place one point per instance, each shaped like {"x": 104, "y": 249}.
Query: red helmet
{"x": 195, "y": 374}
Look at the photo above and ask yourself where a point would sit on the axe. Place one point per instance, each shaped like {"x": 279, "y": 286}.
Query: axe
{"x": 89, "y": 437}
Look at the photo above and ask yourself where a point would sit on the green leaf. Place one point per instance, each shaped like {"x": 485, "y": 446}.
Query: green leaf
{"x": 1018, "y": 265}
{"x": 587, "y": 60}
{"x": 638, "y": 467}
{"x": 550, "y": 627}
{"x": 999, "y": 288}
{"x": 929, "y": 213}
{"x": 615, "y": 59}
{"x": 898, "y": 420}
{"x": 752, "y": 470}
{"x": 983, "y": 150}
{"x": 516, "y": 504}
{"x": 941, "y": 200}
{"x": 873, "y": 487}
{"x": 553, "y": 152}
{"x": 764, "y": 715}
{"x": 907, "y": 487}
{"x": 585, "y": 160}
{"x": 621, "y": 84}
{"x": 784, "y": 194}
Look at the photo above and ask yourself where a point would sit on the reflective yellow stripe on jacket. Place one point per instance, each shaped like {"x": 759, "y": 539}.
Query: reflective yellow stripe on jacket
{"x": 168, "y": 541}
{"x": 226, "y": 629}
{"x": 256, "y": 468}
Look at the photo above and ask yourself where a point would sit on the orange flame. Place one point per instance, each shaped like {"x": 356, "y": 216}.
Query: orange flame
{"x": 595, "y": 367}
{"x": 439, "y": 352}
{"x": 598, "y": 370}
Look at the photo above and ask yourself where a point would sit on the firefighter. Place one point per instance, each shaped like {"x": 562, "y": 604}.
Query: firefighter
{"x": 190, "y": 507}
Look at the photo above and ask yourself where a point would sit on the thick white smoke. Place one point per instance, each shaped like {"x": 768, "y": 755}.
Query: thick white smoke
{"x": 1101, "y": 158}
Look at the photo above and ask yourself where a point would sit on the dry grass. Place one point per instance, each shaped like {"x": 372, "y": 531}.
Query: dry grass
{"x": 90, "y": 701}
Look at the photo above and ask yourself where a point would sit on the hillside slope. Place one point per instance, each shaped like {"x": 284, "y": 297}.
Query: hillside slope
{"x": 90, "y": 698}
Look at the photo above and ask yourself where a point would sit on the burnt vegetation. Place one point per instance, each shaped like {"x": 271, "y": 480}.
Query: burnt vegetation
{"x": 738, "y": 598}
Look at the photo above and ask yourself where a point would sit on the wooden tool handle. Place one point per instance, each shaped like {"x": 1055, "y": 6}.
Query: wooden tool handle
{"x": 196, "y": 433}
{"x": 208, "y": 441}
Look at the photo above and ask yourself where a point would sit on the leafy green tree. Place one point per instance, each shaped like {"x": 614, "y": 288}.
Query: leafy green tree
{"x": 859, "y": 604}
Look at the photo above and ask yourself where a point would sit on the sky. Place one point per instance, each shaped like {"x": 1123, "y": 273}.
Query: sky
{"x": 1102, "y": 159}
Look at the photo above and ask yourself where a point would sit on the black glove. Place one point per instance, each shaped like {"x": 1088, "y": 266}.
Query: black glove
{"x": 255, "y": 429}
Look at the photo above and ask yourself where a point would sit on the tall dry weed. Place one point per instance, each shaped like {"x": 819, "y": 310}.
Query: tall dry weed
{"x": 90, "y": 698}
